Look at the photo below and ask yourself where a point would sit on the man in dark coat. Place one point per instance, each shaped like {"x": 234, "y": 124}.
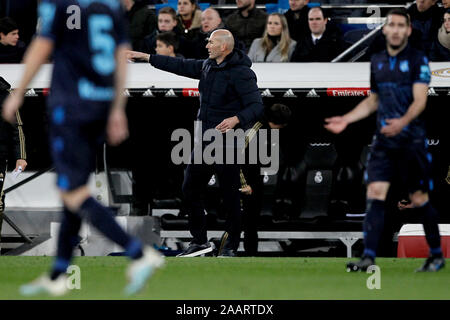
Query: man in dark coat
{"x": 297, "y": 18}
{"x": 229, "y": 98}
{"x": 12, "y": 145}
{"x": 322, "y": 44}
{"x": 247, "y": 23}
{"x": 142, "y": 22}
{"x": 426, "y": 17}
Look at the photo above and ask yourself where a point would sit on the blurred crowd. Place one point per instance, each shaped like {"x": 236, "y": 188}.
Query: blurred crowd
{"x": 305, "y": 32}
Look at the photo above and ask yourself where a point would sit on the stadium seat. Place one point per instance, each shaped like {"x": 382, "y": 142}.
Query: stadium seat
{"x": 204, "y": 5}
{"x": 162, "y": 5}
{"x": 314, "y": 4}
{"x": 319, "y": 159}
{"x": 352, "y": 36}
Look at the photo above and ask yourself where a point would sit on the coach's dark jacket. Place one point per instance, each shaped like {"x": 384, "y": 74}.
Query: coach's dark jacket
{"x": 226, "y": 90}
{"x": 12, "y": 140}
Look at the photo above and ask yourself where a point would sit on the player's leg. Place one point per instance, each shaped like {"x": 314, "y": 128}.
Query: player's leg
{"x": 196, "y": 179}
{"x": 145, "y": 260}
{"x": 373, "y": 224}
{"x": 379, "y": 173}
{"x": 419, "y": 183}
{"x": 435, "y": 261}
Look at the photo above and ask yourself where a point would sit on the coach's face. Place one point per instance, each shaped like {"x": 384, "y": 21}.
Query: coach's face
{"x": 396, "y": 31}
{"x": 215, "y": 46}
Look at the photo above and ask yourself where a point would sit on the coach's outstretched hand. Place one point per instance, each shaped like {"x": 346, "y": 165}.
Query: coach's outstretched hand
{"x": 117, "y": 130}
{"x": 10, "y": 107}
{"x": 137, "y": 56}
{"x": 336, "y": 124}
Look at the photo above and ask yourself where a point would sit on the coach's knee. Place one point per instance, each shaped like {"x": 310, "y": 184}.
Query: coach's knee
{"x": 377, "y": 190}
{"x": 418, "y": 198}
{"x": 75, "y": 198}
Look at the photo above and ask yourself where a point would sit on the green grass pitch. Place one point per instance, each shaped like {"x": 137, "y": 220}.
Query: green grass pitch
{"x": 236, "y": 279}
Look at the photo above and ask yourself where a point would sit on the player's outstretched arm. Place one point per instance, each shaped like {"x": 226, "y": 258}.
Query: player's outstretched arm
{"x": 364, "y": 109}
{"x": 38, "y": 53}
{"x": 117, "y": 129}
{"x": 395, "y": 126}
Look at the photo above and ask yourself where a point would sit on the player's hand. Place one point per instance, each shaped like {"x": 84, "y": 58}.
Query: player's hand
{"x": 227, "y": 124}
{"x": 137, "y": 56}
{"x": 21, "y": 163}
{"x": 336, "y": 124}
{"x": 247, "y": 190}
{"x": 117, "y": 129}
{"x": 10, "y": 107}
{"x": 393, "y": 127}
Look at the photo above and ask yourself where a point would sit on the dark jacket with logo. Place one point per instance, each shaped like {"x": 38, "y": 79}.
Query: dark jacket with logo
{"x": 226, "y": 90}
{"x": 12, "y": 140}
{"x": 247, "y": 29}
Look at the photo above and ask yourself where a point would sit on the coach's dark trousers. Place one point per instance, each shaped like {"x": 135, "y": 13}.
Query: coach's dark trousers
{"x": 196, "y": 179}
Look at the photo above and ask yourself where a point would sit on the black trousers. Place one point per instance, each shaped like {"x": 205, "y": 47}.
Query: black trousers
{"x": 194, "y": 188}
{"x": 252, "y": 205}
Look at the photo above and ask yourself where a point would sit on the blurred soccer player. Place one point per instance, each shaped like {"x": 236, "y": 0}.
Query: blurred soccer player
{"x": 85, "y": 102}
{"x": 399, "y": 83}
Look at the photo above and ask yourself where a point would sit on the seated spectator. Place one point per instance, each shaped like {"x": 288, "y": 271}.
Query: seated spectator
{"x": 322, "y": 44}
{"x": 24, "y": 14}
{"x": 189, "y": 17}
{"x": 446, "y": 4}
{"x": 167, "y": 44}
{"x": 440, "y": 49}
{"x": 297, "y": 18}
{"x": 11, "y": 48}
{"x": 426, "y": 17}
{"x": 167, "y": 22}
{"x": 142, "y": 22}
{"x": 247, "y": 23}
{"x": 276, "y": 45}
{"x": 210, "y": 20}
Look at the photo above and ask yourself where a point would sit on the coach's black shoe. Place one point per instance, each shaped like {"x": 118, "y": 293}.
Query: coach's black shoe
{"x": 361, "y": 265}
{"x": 432, "y": 264}
{"x": 227, "y": 253}
{"x": 195, "y": 250}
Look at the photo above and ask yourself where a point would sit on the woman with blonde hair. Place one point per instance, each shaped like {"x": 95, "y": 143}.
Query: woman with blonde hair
{"x": 189, "y": 17}
{"x": 276, "y": 45}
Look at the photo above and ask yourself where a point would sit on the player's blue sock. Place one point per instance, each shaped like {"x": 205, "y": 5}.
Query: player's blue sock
{"x": 431, "y": 228}
{"x": 67, "y": 239}
{"x": 102, "y": 218}
{"x": 373, "y": 226}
